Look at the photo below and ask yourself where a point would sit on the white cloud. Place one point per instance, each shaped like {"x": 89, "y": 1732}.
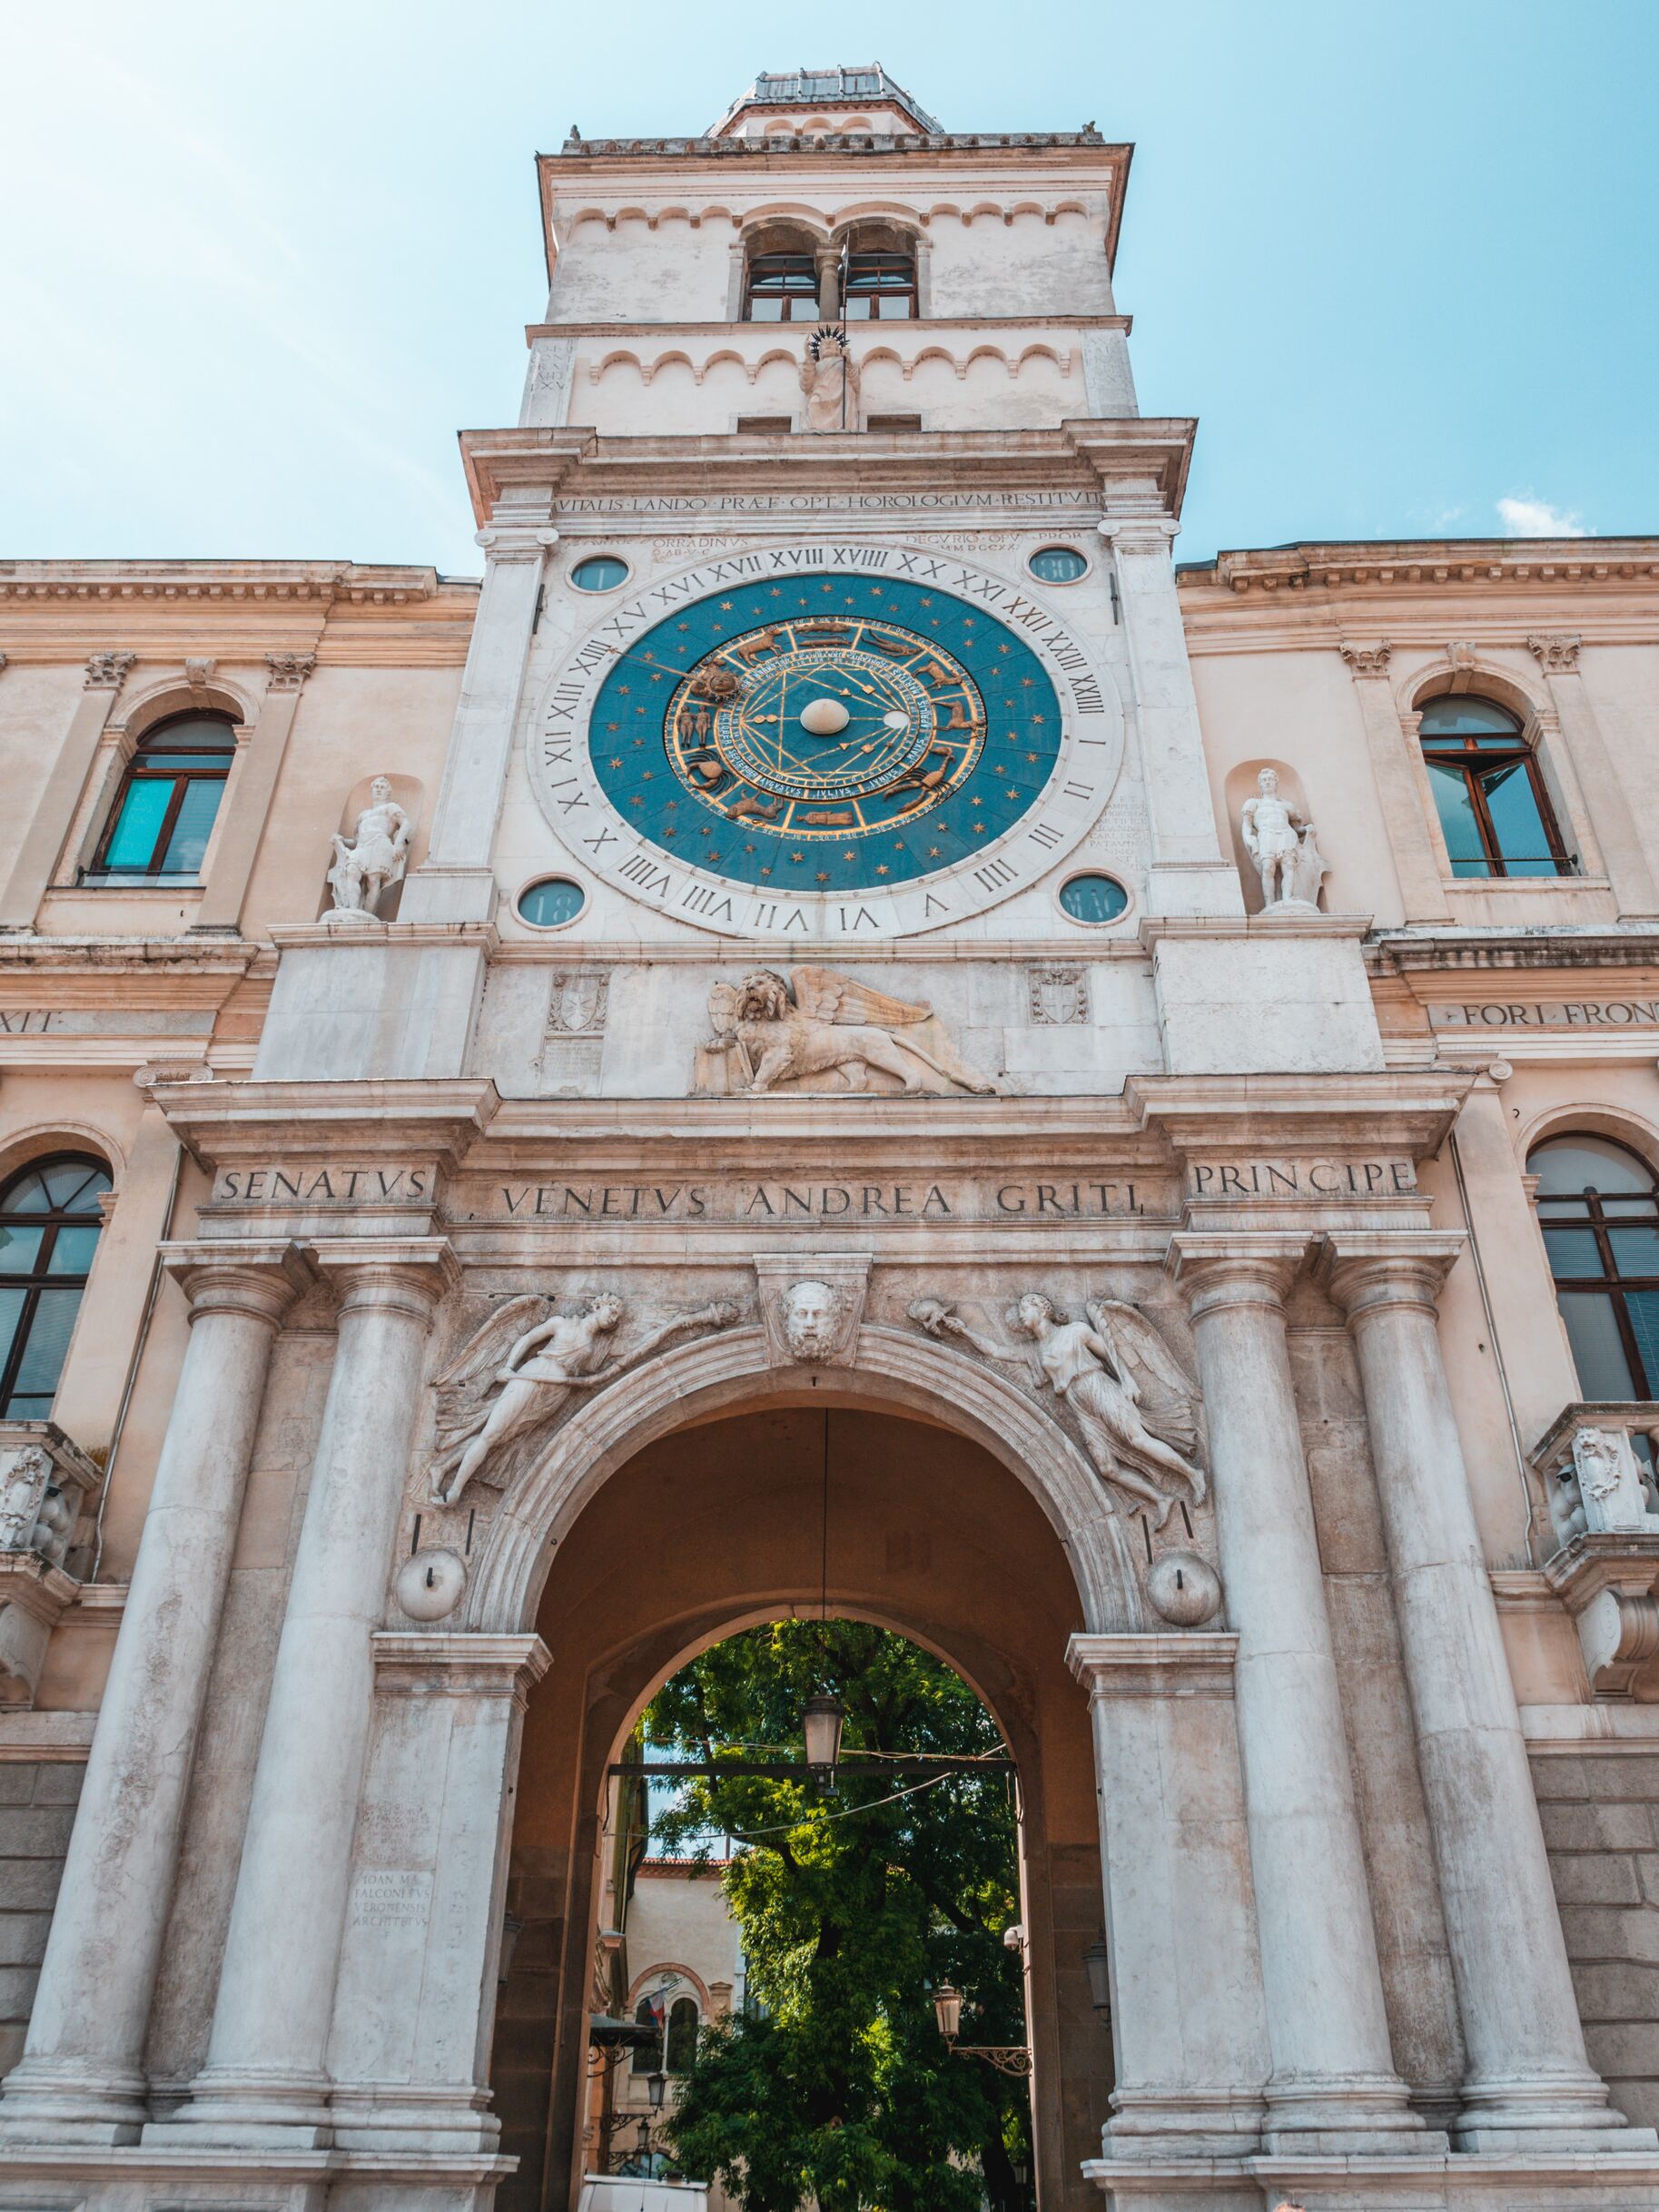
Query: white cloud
{"x": 1524, "y": 516}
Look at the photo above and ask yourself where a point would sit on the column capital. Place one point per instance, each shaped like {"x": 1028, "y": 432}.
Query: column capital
{"x": 1218, "y": 1269}
{"x": 1368, "y": 1270}
{"x": 1557, "y": 654}
{"x": 289, "y": 670}
{"x": 457, "y": 1664}
{"x": 259, "y": 1276}
{"x": 410, "y": 1273}
{"x": 107, "y": 671}
{"x": 1366, "y": 660}
{"x": 500, "y": 544}
{"x": 1187, "y": 1662}
{"x": 1138, "y": 533}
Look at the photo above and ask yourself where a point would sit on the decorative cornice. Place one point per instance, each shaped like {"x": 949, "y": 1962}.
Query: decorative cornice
{"x": 1365, "y": 660}
{"x": 1191, "y": 1662}
{"x": 289, "y": 670}
{"x": 1435, "y": 563}
{"x": 1557, "y": 654}
{"x": 330, "y": 581}
{"x": 1424, "y": 951}
{"x": 107, "y": 671}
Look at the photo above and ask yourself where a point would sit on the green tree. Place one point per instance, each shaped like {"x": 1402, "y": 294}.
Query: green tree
{"x": 834, "y": 2083}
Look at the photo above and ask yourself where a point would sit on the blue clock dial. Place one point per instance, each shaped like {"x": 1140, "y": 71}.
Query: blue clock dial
{"x": 830, "y": 735}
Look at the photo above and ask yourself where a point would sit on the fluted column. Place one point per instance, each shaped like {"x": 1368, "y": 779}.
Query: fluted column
{"x": 264, "y": 2079}
{"x": 1530, "y": 2083}
{"x": 1333, "y": 2085}
{"x": 81, "y": 2076}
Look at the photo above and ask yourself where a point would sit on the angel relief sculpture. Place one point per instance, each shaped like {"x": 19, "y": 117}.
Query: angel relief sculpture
{"x": 819, "y": 1025}
{"x": 515, "y": 1374}
{"x": 1136, "y": 1409}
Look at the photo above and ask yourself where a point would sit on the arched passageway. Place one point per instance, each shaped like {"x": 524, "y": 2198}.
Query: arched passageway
{"x": 717, "y": 1526}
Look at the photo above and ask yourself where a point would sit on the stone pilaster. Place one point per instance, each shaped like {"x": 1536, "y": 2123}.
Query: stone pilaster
{"x": 1530, "y": 2083}
{"x": 456, "y": 882}
{"x": 1617, "y": 825}
{"x": 1399, "y": 783}
{"x": 1189, "y": 2030}
{"x": 248, "y": 802}
{"x": 1188, "y": 873}
{"x": 1333, "y": 2087}
{"x": 81, "y": 2077}
{"x": 265, "y": 2080}
{"x": 43, "y": 840}
{"x": 428, "y": 1886}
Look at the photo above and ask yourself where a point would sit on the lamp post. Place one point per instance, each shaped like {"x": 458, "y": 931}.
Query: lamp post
{"x": 657, "y": 2083}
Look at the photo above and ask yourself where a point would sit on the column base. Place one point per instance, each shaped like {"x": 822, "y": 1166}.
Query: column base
{"x": 1150, "y": 2126}
{"x": 247, "y": 2111}
{"x": 1509, "y": 2119}
{"x": 1359, "y": 2115}
{"x": 407, "y": 2117}
{"x": 56, "y": 2100}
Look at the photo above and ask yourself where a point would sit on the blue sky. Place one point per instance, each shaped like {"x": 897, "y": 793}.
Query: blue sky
{"x": 259, "y": 265}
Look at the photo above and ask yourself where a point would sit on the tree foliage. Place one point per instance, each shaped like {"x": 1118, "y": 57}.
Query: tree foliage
{"x": 833, "y": 2084}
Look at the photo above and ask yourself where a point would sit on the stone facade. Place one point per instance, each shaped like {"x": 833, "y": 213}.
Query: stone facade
{"x": 836, "y": 953}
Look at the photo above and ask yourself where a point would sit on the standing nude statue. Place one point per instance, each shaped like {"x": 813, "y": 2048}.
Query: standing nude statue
{"x": 1092, "y": 1365}
{"x": 369, "y": 863}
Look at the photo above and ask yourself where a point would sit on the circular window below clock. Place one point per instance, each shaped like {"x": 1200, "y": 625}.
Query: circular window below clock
{"x": 551, "y": 902}
{"x": 1093, "y": 899}
{"x": 1058, "y": 565}
{"x": 599, "y": 572}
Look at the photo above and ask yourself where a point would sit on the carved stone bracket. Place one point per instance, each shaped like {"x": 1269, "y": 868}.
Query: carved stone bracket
{"x": 198, "y": 673}
{"x": 812, "y": 1305}
{"x": 1602, "y": 1503}
{"x": 1610, "y": 1586}
{"x": 45, "y": 1481}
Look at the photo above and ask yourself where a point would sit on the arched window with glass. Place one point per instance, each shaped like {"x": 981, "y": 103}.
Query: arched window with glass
{"x": 781, "y": 287}
{"x": 1598, "y": 1205}
{"x": 682, "y": 2047}
{"x": 163, "y": 815}
{"x": 1495, "y": 812}
{"x": 49, "y": 1223}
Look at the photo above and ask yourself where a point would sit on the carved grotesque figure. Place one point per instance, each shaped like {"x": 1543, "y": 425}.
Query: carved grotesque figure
{"x": 1281, "y": 846}
{"x": 368, "y": 864}
{"x": 812, "y": 1321}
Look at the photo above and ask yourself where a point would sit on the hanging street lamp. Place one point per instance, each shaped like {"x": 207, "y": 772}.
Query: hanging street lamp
{"x": 1097, "y": 1966}
{"x": 823, "y": 1718}
{"x": 1007, "y": 2058}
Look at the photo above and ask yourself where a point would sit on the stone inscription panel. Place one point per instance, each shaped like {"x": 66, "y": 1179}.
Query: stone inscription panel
{"x": 338, "y": 1184}
{"x": 1547, "y": 1013}
{"x": 1345, "y": 1181}
{"x": 1062, "y": 1199}
{"x": 390, "y": 1897}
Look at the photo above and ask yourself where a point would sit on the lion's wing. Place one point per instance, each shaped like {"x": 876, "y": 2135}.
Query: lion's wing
{"x": 1169, "y": 1396}
{"x": 826, "y": 996}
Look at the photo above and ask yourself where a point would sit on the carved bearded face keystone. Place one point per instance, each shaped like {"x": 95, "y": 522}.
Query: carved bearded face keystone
{"x": 812, "y": 1320}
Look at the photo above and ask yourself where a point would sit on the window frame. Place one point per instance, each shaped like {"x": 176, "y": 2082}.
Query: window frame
{"x": 135, "y": 772}
{"x": 1592, "y": 1215}
{"x": 38, "y": 1278}
{"x": 787, "y": 302}
{"x": 909, "y": 293}
{"x": 1471, "y": 753}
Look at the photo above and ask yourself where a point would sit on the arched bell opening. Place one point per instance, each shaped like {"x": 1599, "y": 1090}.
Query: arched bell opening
{"x": 719, "y": 1526}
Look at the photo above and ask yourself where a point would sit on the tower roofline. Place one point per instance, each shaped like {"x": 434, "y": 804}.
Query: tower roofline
{"x": 844, "y": 83}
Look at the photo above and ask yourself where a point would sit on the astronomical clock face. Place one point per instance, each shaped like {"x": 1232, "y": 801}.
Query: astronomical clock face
{"x": 829, "y": 755}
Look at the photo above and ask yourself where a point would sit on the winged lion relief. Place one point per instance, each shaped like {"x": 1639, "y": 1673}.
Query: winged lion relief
{"x": 1135, "y": 1406}
{"x": 817, "y": 1030}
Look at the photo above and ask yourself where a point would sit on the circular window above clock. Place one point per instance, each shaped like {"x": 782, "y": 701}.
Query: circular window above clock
{"x": 1058, "y": 565}
{"x": 1093, "y": 898}
{"x": 787, "y": 744}
{"x": 599, "y": 572}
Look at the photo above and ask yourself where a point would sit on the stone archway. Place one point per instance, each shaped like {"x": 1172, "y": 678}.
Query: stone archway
{"x": 896, "y": 1370}
{"x": 709, "y": 1522}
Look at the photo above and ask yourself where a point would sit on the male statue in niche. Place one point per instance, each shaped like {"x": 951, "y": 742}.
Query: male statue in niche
{"x": 369, "y": 863}
{"x": 1281, "y": 846}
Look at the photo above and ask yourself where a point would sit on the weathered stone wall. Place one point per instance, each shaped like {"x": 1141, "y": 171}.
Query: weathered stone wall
{"x": 1601, "y": 1821}
{"x": 38, "y": 1802}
